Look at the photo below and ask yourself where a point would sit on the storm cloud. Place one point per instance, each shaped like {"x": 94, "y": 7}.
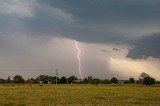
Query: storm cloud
{"x": 145, "y": 47}
{"x": 27, "y": 30}
{"x": 88, "y": 21}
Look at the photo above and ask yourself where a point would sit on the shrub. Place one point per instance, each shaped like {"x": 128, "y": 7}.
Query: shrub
{"x": 114, "y": 80}
{"x": 149, "y": 81}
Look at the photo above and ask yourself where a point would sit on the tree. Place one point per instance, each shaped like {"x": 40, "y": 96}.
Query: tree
{"x": 63, "y": 80}
{"x": 8, "y": 80}
{"x": 53, "y": 79}
{"x": 85, "y": 80}
{"x": 114, "y": 80}
{"x": 43, "y": 78}
{"x": 71, "y": 79}
{"x": 105, "y": 81}
{"x": 56, "y": 80}
{"x": 126, "y": 82}
{"x": 2, "y": 81}
{"x": 90, "y": 79}
{"x": 149, "y": 81}
{"x": 157, "y": 82}
{"x": 141, "y": 77}
{"x": 30, "y": 80}
{"x": 131, "y": 80}
{"x": 36, "y": 81}
{"x": 96, "y": 81}
{"x": 18, "y": 79}
{"x": 46, "y": 79}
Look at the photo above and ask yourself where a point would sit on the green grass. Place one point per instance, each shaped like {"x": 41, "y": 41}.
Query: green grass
{"x": 48, "y": 95}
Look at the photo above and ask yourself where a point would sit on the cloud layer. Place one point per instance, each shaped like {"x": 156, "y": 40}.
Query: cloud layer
{"x": 145, "y": 47}
{"x": 28, "y": 27}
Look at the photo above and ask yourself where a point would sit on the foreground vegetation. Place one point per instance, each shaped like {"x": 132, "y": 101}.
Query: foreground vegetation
{"x": 79, "y": 94}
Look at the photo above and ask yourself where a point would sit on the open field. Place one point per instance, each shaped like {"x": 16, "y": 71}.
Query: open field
{"x": 45, "y": 95}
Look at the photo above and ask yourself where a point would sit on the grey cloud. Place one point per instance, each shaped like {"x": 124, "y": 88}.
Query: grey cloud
{"x": 145, "y": 46}
{"x": 108, "y": 9}
{"x": 107, "y": 21}
{"x": 91, "y": 21}
{"x": 88, "y": 21}
{"x": 115, "y": 49}
{"x": 103, "y": 21}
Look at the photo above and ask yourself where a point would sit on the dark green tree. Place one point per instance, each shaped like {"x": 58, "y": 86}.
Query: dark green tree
{"x": 131, "y": 80}
{"x": 148, "y": 81}
{"x": 85, "y": 80}
{"x": 36, "y": 81}
{"x": 43, "y": 78}
{"x": 105, "y": 81}
{"x": 46, "y": 79}
{"x": 126, "y": 82}
{"x": 157, "y": 82}
{"x": 114, "y": 80}
{"x": 90, "y": 79}
{"x": 2, "y": 81}
{"x": 71, "y": 79}
{"x": 96, "y": 81}
{"x": 18, "y": 79}
{"x": 30, "y": 81}
{"x": 8, "y": 80}
{"x": 53, "y": 80}
{"x": 63, "y": 80}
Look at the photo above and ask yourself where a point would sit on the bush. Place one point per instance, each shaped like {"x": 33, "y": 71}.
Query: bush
{"x": 96, "y": 81}
{"x": 85, "y": 80}
{"x": 126, "y": 82}
{"x": 71, "y": 79}
{"x": 18, "y": 79}
{"x": 63, "y": 80}
{"x": 131, "y": 80}
{"x": 149, "y": 81}
{"x": 105, "y": 81}
{"x": 114, "y": 80}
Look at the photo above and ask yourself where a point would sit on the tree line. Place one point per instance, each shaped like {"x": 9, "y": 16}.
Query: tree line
{"x": 46, "y": 79}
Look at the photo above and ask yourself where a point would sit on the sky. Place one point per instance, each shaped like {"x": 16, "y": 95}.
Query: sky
{"x": 117, "y": 38}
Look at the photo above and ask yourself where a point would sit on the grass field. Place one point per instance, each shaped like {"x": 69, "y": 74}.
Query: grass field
{"x": 48, "y": 95}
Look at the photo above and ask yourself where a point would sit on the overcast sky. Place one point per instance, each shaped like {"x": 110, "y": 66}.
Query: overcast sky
{"x": 38, "y": 37}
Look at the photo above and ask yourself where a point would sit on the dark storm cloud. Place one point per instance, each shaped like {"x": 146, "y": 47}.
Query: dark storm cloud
{"x": 95, "y": 21}
{"x": 33, "y": 34}
{"x": 91, "y": 20}
{"x": 109, "y": 20}
{"x": 121, "y": 19}
{"x": 99, "y": 10}
{"x": 145, "y": 46}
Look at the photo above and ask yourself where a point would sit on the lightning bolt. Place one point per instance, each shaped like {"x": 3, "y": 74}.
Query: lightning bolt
{"x": 79, "y": 59}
